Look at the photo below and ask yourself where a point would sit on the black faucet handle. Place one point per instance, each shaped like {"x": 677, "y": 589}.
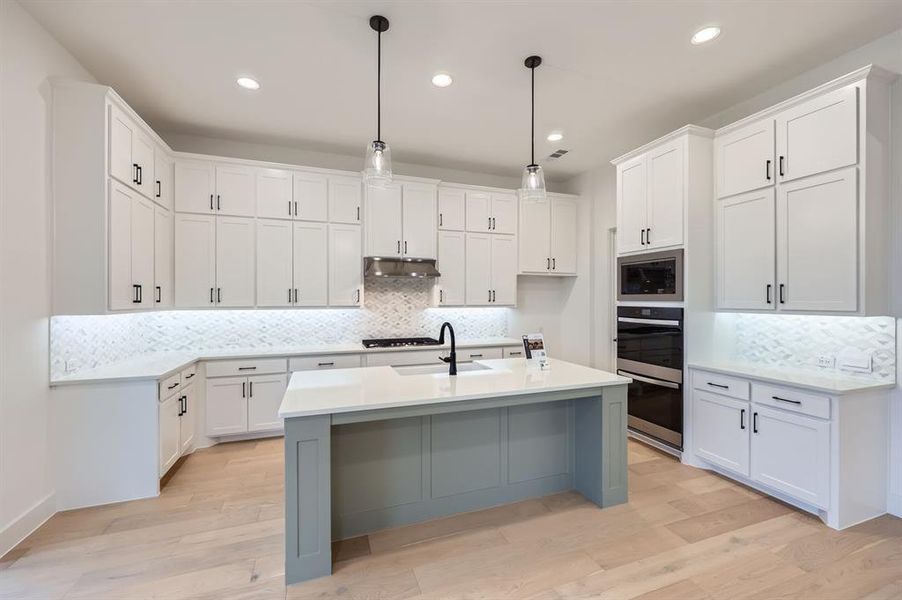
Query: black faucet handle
{"x": 446, "y": 359}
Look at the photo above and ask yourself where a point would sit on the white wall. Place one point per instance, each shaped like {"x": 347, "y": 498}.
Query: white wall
{"x": 28, "y": 56}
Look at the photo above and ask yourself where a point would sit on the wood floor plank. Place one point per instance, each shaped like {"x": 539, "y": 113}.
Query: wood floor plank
{"x": 726, "y": 519}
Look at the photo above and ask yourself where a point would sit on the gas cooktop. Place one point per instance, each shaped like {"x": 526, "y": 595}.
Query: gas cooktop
{"x": 399, "y": 342}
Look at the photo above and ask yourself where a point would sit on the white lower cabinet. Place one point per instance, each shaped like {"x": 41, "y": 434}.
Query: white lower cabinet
{"x": 176, "y": 418}
{"x": 245, "y": 403}
{"x": 721, "y": 431}
{"x": 170, "y": 418}
{"x": 187, "y": 426}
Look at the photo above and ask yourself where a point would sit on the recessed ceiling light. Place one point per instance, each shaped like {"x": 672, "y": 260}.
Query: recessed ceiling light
{"x": 248, "y": 83}
{"x": 442, "y": 80}
{"x": 555, "y": 136}
{"x": 705, "y": 35}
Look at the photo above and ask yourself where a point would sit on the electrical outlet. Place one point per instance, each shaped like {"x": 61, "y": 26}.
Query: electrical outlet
{"x": 826, "y": 361}
{"x": 72, "y": 365}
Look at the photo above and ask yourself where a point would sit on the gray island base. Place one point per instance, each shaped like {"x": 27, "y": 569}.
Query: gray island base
{"x": 358, "y": 462}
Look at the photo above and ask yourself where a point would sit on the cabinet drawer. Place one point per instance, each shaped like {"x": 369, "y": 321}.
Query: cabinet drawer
{"x": 721, "y": 384}
{"x": 514, "y": 352}
{"x": 230, "y": 368}
{"x": 471, "y": 354}
{"x": 332, "y": 361}
{"x": 792, "y": 400}
{"x": 170, "y": 385}
{"x": 407, "y": 357}
{"x": 188, "y": 374}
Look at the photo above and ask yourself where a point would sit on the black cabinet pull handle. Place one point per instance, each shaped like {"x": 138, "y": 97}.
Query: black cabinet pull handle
{"x": 547, "y": 264}
{"x": 140, "y": 175}
{"x": 742, "y": 419}
{"x": 781, "y": 167}
{"x": 189, "y": 376}
{"x": 295, "y": 295}
{"x": 159, "y": 294}
{"x": 648, "y": 236}
{"x": 767, "y": 170}
{"x": 490, "y": 295}
{"x": 754, "y": 422}
{"x": 134, "y": 172}
{"x": 796, "y": 402}
{"x": 441, "y": 296}
{"x": 218, "y": 295}
{"x": 295, "y": 208}
{"x": 244, "y": 389}
{"x": 518, "y": 353}
{"x": 719, "y": 385}
{"x": 782, "y": 299}
{"x": 247, "y": 368}
{"x": 405, "y": 246}
{"x": 140, "y": 293}
{"x": 289, "y": 295}
{"x": 642, "y": 236}
{"x": 476, "y": 356}
{"x": 767, "y": 293}
{"x": 289, "y": 208}
{"x": 440, "y": 219}
{"x": 218, "y": 206}
{"x": 494, "y": 224}
{"x": 325, "y": 364}
{"x": 159, "y": 189}
{"x": 358, "y": 213}
{"x": 251, "y": 389}
{"x": 399, "y": 246}
{"x": 554, "y": 264}
{"x": 494, "y": 295}
{"x": 185, "y": 411}
{"x": 173, "y": 386}
{"x": 358, "y": 296}
{"x": 135, "y": 298}
{"x": 490, "y": 224}
{"x": 211, "y": 295}
{"x": 211, "y": 201}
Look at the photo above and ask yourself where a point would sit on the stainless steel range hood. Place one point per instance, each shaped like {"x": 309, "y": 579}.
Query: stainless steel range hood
{"x": 399, "y": 267}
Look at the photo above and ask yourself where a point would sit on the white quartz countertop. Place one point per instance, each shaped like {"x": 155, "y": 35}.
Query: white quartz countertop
{"x": 162, "y": 364}
{"x": 313, "y": 393}
{"x": 828, "y": 382}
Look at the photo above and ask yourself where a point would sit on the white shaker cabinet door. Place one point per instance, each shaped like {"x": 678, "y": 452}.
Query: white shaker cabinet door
{"x": 564, "y": 222}
{"x": 504, "y": 213}
{"x": 274, "y": 263}
{"x": 265, "y": 394}
{"x": 791, "y": 453}
{"x": 311, "y": 264}
{"x": 236, "y": 190}
{"x": 142, "y": 254}
{"x": 746, "y": 251}
{"x": 162, "y": 262}
{"x": 383, "y": 221}
{"x": 744, "y": 159}
{"x": 345, "y": 195}
{"x": 163, "y": 174}
{"x": 451, "y": 211}
{"x": 418, "y": 220}
{"x": 479, "y": 212}
{"x": 274, "y": 197}
{"x": 817, "y": 243}
{"x": 479, "y": 269}
{"x": 819, "y": 135}
{"x": 666, "y": 192}
{"x": 504, "y": 270}
{"x": 143, "y": 149}
{"x": 122, "y": 130}
{"x": 195, "y": 261}
{"x": 452, "y": 265}
{"x": 195, "y": 183}
{"x": 122, "y": 292}
{"x": 345, "y": 265}
{"x": 188, "y": 423}
{"x": 226, "y": 407}
{"x": 170, "y": 450}
{"x": 311, "y": 197}
{"x": 235, "y": 263}
{"x": 632, "y": 184}
{"x": 535, "y": 237}
{"x": 720, "y": 431}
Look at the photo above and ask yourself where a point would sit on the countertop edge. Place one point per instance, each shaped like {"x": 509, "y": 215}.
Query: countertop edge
{"x": 751, "y": 373}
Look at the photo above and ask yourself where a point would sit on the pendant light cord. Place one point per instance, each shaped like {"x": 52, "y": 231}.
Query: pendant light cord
{"x": 379, "y": 86}
{"x": 532, "y": 146}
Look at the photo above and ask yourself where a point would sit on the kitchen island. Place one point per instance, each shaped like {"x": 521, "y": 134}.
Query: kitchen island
{"x": 378, "y": 447}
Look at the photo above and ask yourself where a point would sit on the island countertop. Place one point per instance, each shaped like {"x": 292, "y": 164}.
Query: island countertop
{"x": 313, "y": 393}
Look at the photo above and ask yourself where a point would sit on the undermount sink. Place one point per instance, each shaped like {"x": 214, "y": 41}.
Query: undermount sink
{"x": 439, "y": 369}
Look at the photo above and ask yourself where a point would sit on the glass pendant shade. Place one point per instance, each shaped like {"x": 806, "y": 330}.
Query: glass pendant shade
{"x": 377, "y": 165}
{"x": 532, "y": 187}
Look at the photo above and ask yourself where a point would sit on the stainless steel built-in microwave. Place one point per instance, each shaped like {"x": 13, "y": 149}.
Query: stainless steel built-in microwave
{"x": 655, "y": 276}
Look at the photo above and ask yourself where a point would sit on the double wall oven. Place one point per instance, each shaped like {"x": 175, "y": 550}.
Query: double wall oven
{"x": 650, "y": 351}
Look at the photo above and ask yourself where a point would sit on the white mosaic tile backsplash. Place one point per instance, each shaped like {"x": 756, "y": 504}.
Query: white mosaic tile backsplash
{"x": 798, "y": 340}
{"x": 393, "y": 308}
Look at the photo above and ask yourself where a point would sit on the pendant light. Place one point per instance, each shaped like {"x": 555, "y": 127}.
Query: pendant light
{"x": 377, "y": 164}
{"x": 532, "y": 187}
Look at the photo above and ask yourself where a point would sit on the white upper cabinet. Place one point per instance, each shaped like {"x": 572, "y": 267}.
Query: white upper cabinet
{"x": 345, "y": 195}
{"x": 746, "y": 252}
{"x": 236, "y": 190}
{"x": 311, "y": 263}
{"x": 564, "y": 222}
{"x": 479, "y": 269}
{"x": 163, "y": 174}
{"x": 479, "y": 211}
{"x": 274, "y": 200}
{"x": 504, "y": 270}
{"x": 418, "y": 219}
{"x": 451, "y": 209}
{"x": 143, "y": 155}
{"x": 345, "y": 265}
{"x": 195, "y": 261}
{"x": 744, "y": 159}
{"x": 666, "y": 193}
{"x": 632, "y": 183}
{"x": 311, "y": 197}
{"x": 383, "y": 221}
{"x": 131, "y": 153}
{"x": 817, "y": 243}
{"x": 504, "y": 213}
{"x": 235, "y": 262}
{"x": 819, "y": 135}
{"x": 131, "y": 223}
{"x": 274, "y": 263}
{"x": 162, "y": 262}
{"x": 452, "y": 265}
{"x": 195, "y": 184}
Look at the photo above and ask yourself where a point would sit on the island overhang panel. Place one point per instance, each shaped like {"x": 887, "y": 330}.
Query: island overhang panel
{"x": 367, "y": 449}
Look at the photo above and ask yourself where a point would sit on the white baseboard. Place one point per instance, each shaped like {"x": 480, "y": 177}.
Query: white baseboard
{"x": 894, "y": 505}
{"x": 27, "y": 522}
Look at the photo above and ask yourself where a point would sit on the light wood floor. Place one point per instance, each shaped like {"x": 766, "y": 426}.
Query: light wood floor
{"x": 216, "y": 532}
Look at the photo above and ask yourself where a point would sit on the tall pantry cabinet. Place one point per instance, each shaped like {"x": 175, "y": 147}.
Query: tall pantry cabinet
{"x": 111, "y": 205}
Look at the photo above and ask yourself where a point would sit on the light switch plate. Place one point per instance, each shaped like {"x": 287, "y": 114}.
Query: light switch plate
{"x": 826, "y": 361}
{"x": 855, "y": 361}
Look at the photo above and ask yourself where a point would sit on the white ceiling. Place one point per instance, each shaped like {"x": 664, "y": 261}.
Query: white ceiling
{"x": 615, "y": 74}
